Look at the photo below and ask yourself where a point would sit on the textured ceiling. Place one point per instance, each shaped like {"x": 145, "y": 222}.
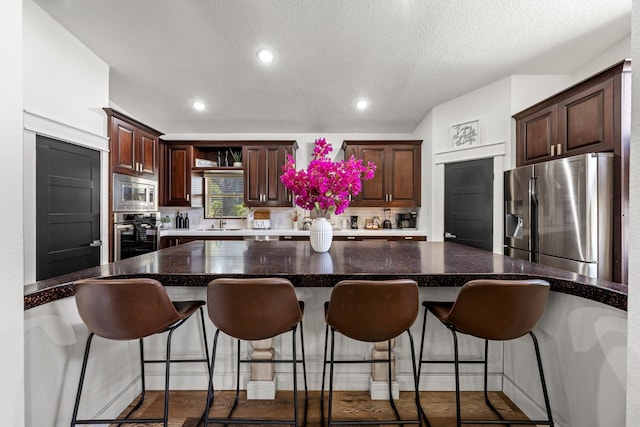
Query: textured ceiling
{"x": 405, "y": 56}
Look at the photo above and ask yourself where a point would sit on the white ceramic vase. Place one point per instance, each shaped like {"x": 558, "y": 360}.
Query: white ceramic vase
{"x": 321, "y": 235}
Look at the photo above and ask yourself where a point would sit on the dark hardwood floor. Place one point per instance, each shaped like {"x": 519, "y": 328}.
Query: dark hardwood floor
{"x": 186, "y": 407}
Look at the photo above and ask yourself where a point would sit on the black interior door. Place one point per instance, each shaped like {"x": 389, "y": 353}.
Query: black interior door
{"x": 468, "y": 203}
{"x": 68, "y": 208}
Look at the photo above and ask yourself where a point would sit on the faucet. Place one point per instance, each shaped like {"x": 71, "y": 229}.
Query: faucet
{"x": 221, "y": 219}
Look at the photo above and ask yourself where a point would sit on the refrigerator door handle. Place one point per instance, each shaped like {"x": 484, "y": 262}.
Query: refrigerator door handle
{"x": 533, "y": 218}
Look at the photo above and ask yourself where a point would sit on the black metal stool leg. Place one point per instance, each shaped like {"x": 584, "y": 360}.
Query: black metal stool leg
{"x": 415, "y": 377}
{"x": 87, "y": 346}
{"x": 420, "y": 363}
{"x": 457, "y": 375}
{"x": 237, "y": 398}
{"x": 424, "y": 330}
{"x": 206, "y": 349}
{"x": 210, "y": 391}
{"x": 295, "y": 377}
{"x": 486, "y": 381}
{"x": 542, "y": 381}
{"x": 324, "y": 373}
{"x": 304, "y": 374}
{"x": 331, "y": 379}
{"x": 393, "y": 404}
{"x": 166, "y": 379}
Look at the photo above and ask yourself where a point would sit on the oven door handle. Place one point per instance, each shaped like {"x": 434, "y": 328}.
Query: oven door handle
{"x": 95, "y": 243}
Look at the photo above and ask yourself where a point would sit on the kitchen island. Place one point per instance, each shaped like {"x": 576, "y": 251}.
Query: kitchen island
{"x": 582, "y": 333}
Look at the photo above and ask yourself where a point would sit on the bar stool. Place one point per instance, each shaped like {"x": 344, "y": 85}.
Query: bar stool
{"x": 132, "y": 309}
{"x": 498, "y": 310}
{"x": 370, "y": 311}
{"x": 250, "y": 310}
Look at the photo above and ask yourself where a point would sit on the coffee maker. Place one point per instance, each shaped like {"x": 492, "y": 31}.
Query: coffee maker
{"x": 354, "y": 222}
{"x": 407, "y": 220}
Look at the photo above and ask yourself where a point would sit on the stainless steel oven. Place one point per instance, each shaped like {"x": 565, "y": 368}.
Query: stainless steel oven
{"x": 135, "y": 233}
{"x": 133, "y": 194}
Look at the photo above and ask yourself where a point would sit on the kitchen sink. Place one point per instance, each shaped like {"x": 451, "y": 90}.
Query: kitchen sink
{"x": 220, "y": 229}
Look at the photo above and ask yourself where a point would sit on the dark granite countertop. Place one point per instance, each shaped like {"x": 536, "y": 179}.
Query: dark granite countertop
{"x": 428, "y": 263}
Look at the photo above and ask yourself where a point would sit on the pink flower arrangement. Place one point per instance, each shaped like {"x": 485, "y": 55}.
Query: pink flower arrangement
{"x": 326, "y": 185}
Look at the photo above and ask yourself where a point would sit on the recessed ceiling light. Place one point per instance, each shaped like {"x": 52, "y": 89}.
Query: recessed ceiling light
{"x": 362, "y": 104}
{"x": 199, "y": 106}
{"x": 266, "y": 56}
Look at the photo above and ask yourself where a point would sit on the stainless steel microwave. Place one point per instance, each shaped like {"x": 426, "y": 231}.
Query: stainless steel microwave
{"x": 133, "y": 194}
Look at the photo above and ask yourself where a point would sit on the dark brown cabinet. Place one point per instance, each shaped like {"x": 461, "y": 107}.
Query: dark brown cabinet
{"x": 134, "y": 146}
{"x": 591, "y": 116}
{"x": 580, "y": 120}
{"x": 262, "y": 170}
{"x": 177, "y": 179}
{"x": 396, "y": 182}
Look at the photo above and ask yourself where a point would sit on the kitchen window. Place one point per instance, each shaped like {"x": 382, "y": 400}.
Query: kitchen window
{"x": 224, "y": 194}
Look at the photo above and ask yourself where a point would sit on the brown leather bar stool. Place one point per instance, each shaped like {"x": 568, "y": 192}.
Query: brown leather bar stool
{"x": 370, "y": 311}
{"x": 250, "y": 310}
{"x": 498, "y": 310}
{"x": 132, "y": 309}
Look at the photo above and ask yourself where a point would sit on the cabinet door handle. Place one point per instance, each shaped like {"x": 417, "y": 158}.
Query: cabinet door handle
{"x": 553, "y": 150}
{"x": 408, "y": 237}
{"x": 351, "y": 237}
{"x": 391, "y": 197}
{"x": 559, "y": 149}
{"x": 187, "y": 197}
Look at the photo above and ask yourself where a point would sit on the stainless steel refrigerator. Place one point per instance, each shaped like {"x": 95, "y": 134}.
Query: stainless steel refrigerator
{"x": 559, "y": 213}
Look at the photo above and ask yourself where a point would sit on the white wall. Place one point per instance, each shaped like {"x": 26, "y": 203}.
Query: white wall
{"x": 612, "y": 55}
{"x": 11, "y": 265}
{"x": 63, "y": 79}
{"x": 633, "y": 305}
{"x": 491, "y": 105}
{"x": 65, "y": 88}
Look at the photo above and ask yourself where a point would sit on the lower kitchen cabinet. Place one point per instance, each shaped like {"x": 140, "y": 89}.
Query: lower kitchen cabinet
{"x": 170, "y": 241}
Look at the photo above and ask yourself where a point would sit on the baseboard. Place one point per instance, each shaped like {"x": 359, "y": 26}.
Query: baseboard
{"x": 525, "y": 403}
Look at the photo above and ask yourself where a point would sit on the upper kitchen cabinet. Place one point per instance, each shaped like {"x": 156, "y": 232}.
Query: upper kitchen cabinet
{"x": 177, "y": 175}
{"x": 585, "y": 118}
{"x": 262, "y": 169}
{"x": 133, "y": 146}
{"x": 396, "y": 182}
